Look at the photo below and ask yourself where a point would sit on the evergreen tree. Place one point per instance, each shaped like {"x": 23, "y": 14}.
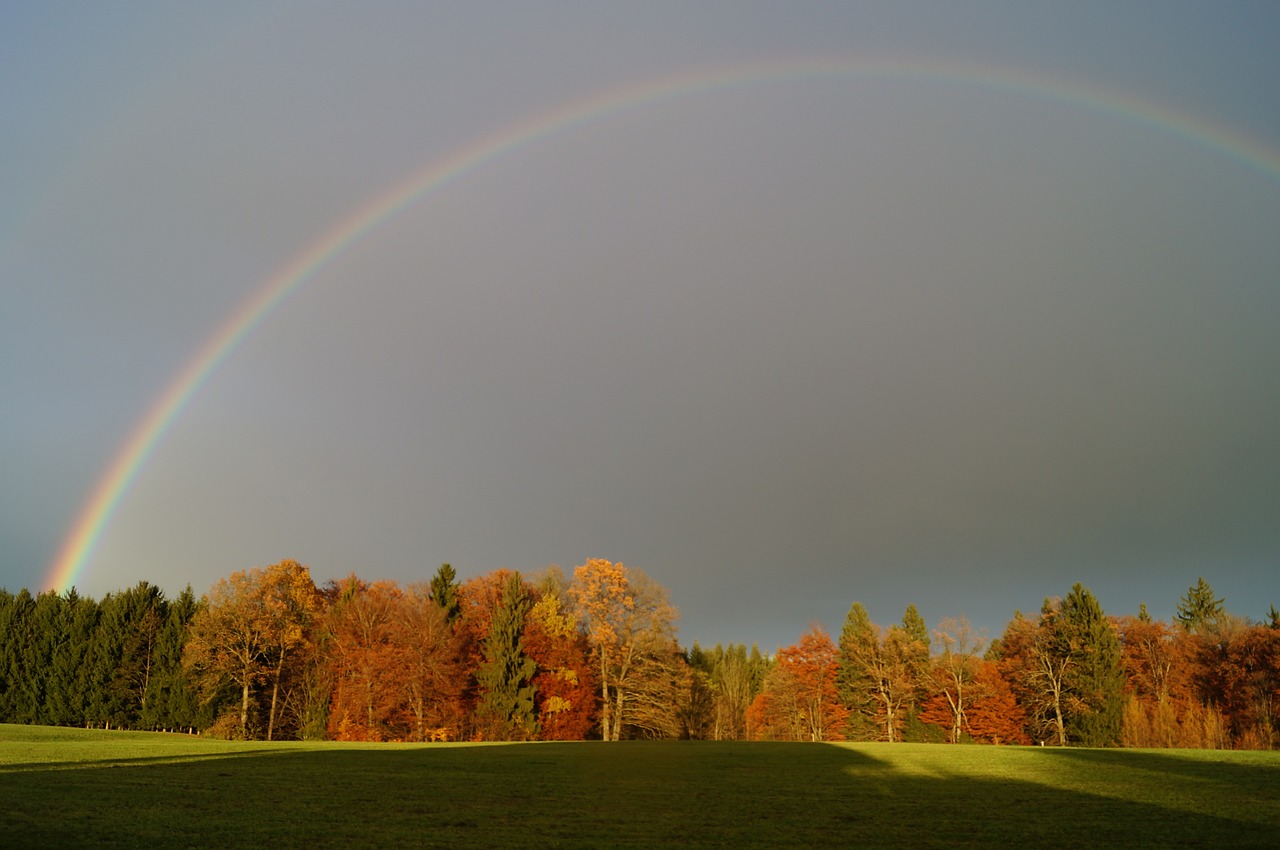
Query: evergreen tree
{"x": 916, "y": 649}
{"x": 506, "y": 710}
{"x": 65, "y": 693}
{"x": 1198, "y": 609}
{"x": 105, "y": 704}
{"x": 143, "y": 612}
{"x": 1096, "y": 675}
{"x": 444, "y": 590}
{"x": 758, "y": 666}
{"x": 854, "y": 682}
{"x": 43, "y": 634}
{"x": 698, "y": 701}
{"x": 8, "y": 655}
{"x": 913, "y": 624}
{"x": 23, "y": 692}
{"x": 172, "y": 700}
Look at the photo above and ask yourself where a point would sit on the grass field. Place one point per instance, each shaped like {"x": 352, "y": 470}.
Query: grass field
{"x": 68, "y": 788}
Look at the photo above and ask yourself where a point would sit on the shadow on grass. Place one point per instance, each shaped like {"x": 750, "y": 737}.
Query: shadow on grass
{"x": 630, "y": 795}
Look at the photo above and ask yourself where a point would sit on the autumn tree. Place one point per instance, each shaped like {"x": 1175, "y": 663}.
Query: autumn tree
{"x": 1067, "y": 670}
{"x": 226, "y": 641}
{"x": 365, "y": 661}
{"x": 878, "y": 671}
{"x": 734, "y": 677}
{"x": 1034, "y": 657}
{"x": 247, "y": 627}
{"x": 630, "y": 626}
{"x": 565, "y": 683}
{"x": 289, "y": 602}
{"x": 1161, "y": 708}
{"x": 954, "y": 674}
{"x": 994, "y": 715}
{"x": 1239, "y": 672}
{"x": 433, "y": 679}
{"x": 800, "y": 701}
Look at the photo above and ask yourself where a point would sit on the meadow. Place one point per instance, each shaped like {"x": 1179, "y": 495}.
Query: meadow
{"x": 73, "y": 787}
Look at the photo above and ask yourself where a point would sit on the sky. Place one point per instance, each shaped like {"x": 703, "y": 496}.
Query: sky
{"x": 788, "y": 305}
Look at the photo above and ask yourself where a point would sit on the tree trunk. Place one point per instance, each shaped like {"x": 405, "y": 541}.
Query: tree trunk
{"x": 275, "y": 690}
{"x": 1059, "y": 726}
{"x": 605, "y": 725}
{"x": 617, "y": 717}
{"x": 271, "y": 716}
{"x": 244, "y": 709}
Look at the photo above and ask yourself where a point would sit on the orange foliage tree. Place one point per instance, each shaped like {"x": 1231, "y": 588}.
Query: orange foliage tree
{"x": 630, "y": 628}
{"x": 1239, "y": 670}
{"x": 1161, "y": 707}
{"x": 566, "y": 681}
{"x": 433, "y": 677}
{"x": 1035, "y": 659}
{"x": 952, "y": 677}
{"x": 994, "y": 715}
{"x": 289, "y": 602}
{"x": 247, "y": 630}
{"x": 799, "y": 701}
{"x": 366, "y": 662}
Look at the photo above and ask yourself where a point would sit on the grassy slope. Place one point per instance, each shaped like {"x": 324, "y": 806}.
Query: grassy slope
{"x": 61, "y": 787}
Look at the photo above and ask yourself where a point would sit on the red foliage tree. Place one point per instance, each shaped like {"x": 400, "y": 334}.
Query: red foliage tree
{"x": 994, "y": 715}
{"x": 799, "y": 701}
{"x": 1240, "y": 673}
{"x": 566, "y": 681}
{"x": 367, "y": 664}
{"x": 433, "y": 675}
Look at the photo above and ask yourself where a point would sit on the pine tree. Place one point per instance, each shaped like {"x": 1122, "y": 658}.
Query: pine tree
{"x": 25, "y": 689}
{"x": 916, "y": 649}
{"x": 506, "y": 710}
{"x": 172, "y": 701}
{"x": 44, "y": 634}
{"x": 1096, "y": 675}
{"x": 854, "y": 682}
{"x": 8, "y": 655}
{"x": 1198, "y": 609}
{"x": 104, "y": 704}
{"x": 144, "y": 611}
{"x": 444, "y": 590}
{"x": 914, "y": 625}
{"x": 66, "y": 696}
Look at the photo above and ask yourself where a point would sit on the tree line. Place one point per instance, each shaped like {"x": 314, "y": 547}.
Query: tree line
{"x": 266, "y": 653}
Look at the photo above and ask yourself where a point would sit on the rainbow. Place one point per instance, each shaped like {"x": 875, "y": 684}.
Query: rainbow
{"x": 78, "y": 547}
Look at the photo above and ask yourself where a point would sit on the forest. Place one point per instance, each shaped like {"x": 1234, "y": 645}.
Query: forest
{"x": 268, "y": 654}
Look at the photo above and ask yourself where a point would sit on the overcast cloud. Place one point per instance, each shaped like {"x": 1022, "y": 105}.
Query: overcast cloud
{"x": 783, "y": 346}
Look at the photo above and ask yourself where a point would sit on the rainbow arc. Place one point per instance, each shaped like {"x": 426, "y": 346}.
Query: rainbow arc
{"x": 78, "y": 547}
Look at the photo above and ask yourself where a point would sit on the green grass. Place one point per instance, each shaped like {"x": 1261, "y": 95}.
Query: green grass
{"x": 68, "y": 788}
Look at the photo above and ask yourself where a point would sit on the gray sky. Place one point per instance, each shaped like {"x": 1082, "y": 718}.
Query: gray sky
{"x": 783, "y": 345}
